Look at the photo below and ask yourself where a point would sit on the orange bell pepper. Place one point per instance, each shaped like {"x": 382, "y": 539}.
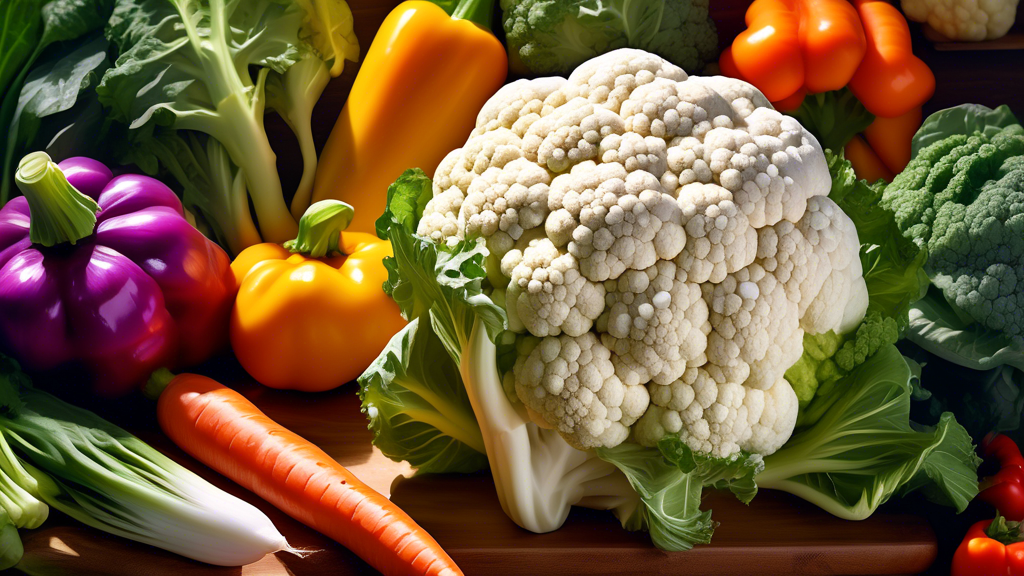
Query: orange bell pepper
{"x": 842, "y": 69}
{"x": 890, "y": 81}
{"x": 866, "y": 163}
{"x": 416, "y": 97}
{"x": 791, "y": 45}
{"x": 312, "y": 314}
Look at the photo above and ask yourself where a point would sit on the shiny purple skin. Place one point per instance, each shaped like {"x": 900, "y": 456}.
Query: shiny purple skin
{"x": 117, "y": 302}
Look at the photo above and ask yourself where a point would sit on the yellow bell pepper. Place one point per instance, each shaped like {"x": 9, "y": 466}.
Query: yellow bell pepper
{"x": 416, "y": 97}
{"x": 312, "y": 314}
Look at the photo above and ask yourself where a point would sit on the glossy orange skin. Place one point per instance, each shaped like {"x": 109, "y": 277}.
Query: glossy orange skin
{"x": 793, "y": 45}
{"x": 891, "y": 138}
{"x": 312, "y": 324}
{"x": 416, "y": 98}
{"x": 979, "y": 555}
{"x": 866, "y": 163}
{"x": 891, "y": 81}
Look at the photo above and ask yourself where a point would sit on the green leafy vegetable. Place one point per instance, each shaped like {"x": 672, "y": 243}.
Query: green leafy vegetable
{"x": 18, "y": 37}
{"x": 735, "y": 473}
{"x": 418, "y": 409}
{"x": 53, "y": 88}
{"x": 62, "y": 21}
{"x": 554, "y": 37}
{"x": 55, "y": 454}
{"x": 963, "y": 119}
{"x": 862, "y": 450}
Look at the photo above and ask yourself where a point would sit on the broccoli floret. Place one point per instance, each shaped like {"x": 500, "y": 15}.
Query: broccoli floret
{"x": 554, "y": 36}
{"x": 962, "y": 198}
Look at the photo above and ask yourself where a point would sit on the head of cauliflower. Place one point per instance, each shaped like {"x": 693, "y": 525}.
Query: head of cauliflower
{"x": 664, "y": 241}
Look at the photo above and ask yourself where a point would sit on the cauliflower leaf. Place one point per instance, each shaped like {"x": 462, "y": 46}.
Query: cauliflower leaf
{"x": 863, "y": 450}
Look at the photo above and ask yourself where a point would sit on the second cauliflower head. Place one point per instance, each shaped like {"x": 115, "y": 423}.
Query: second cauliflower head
{"x": 664, "y": 241}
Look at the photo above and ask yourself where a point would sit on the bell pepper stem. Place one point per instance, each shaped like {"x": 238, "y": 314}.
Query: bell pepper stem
{"x": 59, "y": 212}
{"x": 320, "y": 229}
{"x": 1003, "y": 531}
{"x": 478, "y": 12}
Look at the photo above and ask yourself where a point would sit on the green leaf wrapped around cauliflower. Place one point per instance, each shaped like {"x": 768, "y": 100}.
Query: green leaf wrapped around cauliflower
{"x": 675, "y": 232}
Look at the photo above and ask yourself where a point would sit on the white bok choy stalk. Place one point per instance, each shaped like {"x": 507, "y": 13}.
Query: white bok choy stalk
{"x": 97, "y": 473}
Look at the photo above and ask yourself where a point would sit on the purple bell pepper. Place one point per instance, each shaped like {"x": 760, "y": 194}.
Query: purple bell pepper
{"x": 104, "y": 274}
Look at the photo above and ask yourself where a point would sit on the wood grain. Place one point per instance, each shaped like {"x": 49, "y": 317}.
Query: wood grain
{"x": 776, "y": 534}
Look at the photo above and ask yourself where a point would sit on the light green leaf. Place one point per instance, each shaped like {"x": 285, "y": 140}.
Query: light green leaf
{"x": 417, "y": 405}
{"x": 735, "y": 473}
{"x": 862, "y": 449}
{"x": 936, "y": 327}
{"x": 670, "y": 498}
{"x": 963, "y": 119}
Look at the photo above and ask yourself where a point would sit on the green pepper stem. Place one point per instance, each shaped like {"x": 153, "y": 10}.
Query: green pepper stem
{"x": 59, "y": 212}
{"x": 320, "y": 229}
{"x": 478, "y": 12}
{"x": 1003, "y": 531}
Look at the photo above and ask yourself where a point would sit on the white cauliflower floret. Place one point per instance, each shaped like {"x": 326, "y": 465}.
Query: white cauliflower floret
{"x": 571, "y": 384}
{"x": 570, "y": 134}
{"x": 510, "y": 199}
{"x": 742, "y": 96}
{"x": 715, "y": 416}
{"x": 840, "y": 300}
{"x": 547, "y": 294}
{"x": 755, "y": 334}
{"x": 635, "y": 152}
{"x": 667, "y": 109}
{"x": 972, "y": 20}
{"x": 663, "y": 240}
{"x": 770, "y": 164}
{"x": 610, "y": 78}
{"x": 655, "y": 323}
{"x": 720, "y": 239}
{"x": 516, "y": 105}
{"x": 613, "y": 221}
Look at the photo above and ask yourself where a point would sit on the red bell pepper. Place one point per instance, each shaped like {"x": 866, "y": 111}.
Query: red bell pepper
{"x": 1005, "y": 489}
{"x": 991, "y": 547}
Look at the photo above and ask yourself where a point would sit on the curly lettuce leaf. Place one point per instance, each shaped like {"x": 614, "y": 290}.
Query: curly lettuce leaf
{"x": 413, "y": 393}
{"x": 427, "y": 278}
{"x": 417, "y": 406}
{"x": 962, "y": 119}
{"x": 863, "y": 450}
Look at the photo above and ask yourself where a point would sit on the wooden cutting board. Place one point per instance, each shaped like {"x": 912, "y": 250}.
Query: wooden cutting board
{"x": 776, "y": 534}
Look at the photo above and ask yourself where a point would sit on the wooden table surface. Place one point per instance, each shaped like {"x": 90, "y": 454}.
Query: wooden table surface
{"x": 776, "y": 534}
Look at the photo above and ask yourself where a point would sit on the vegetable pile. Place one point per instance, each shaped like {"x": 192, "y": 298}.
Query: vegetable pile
{"x": 623, "y": 265}
{"x": 616, "y": 280}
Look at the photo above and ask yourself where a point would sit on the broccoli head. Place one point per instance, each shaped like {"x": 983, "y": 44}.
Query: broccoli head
{"x": 962, "y": 198}
{"x": 554, "y": 36}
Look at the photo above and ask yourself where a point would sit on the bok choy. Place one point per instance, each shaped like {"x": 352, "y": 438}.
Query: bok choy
{"x": 59, "y": 455}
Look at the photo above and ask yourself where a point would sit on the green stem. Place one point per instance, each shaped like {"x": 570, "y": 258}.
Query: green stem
{"x": 157, "y": 382}
{"x": 320, "y": 229}
{"x": 478, "y": 12}
{"x": 60, "y": 213}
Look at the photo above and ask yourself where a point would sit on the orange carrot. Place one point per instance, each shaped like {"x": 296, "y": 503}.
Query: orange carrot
{"x": 866, "y": 164}
{"x": 223, "y": 430}
{"x": 891, "y": 138}
{"x": 891, "y": 80}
